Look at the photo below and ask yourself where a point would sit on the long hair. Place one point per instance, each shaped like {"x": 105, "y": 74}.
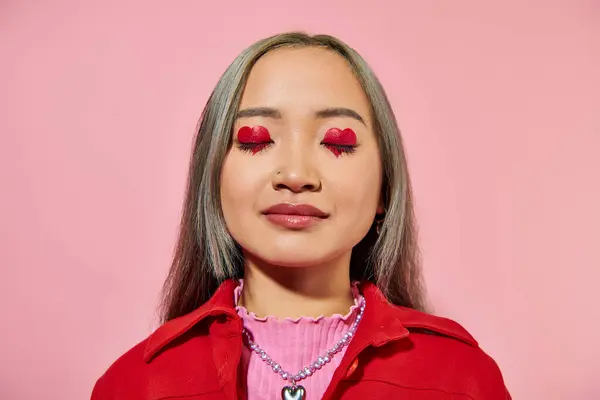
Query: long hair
{"x": 206, "y": 254}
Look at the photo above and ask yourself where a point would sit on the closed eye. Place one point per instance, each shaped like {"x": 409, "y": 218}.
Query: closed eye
{"x": 253, "y": 148}
{"x": 339, "y": 149}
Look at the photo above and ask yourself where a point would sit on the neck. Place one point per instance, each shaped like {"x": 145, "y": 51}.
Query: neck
{"x": 293, "y": 292}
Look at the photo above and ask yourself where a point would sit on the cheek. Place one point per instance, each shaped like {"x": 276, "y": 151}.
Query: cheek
{"x": 234, "y": 185}
{"x": 241, "y": 183}
{"x": 357, "y": 187}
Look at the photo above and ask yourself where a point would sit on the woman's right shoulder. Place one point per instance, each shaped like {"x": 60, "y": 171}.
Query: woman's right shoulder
{"x": 126, "y": 372}
{"x": 176, "y": 354}
{"x": 165, "y": 362}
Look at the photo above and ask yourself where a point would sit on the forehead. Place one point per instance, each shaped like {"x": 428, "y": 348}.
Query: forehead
{"x": 304, "y": 79}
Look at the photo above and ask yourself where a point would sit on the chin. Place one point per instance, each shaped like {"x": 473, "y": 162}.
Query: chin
{"x": 295, "y": 249}
{"x": 293, "y": 262}
{"x": 291, "y": 256}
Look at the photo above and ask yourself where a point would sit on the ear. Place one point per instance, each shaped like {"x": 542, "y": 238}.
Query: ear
{"x": 380, "y": 206}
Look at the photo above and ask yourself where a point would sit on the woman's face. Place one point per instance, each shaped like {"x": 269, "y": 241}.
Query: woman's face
{"x": 301, "y": 184}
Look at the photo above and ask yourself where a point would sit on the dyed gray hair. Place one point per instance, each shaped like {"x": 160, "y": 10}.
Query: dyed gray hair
{"x": 206, "y": 254}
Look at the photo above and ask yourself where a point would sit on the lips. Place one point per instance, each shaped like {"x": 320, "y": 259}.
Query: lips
{"x": 294, "y": 216}
{"x": 304, "y": 210}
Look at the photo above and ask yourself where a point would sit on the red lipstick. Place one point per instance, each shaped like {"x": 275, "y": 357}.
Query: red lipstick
{"x": 294, "y": 216}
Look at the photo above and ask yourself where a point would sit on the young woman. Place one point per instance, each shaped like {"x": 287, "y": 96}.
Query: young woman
{"x": 296, "y": 274}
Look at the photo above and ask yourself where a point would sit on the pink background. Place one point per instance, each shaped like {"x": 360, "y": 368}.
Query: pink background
{"x": 500, "y": 109}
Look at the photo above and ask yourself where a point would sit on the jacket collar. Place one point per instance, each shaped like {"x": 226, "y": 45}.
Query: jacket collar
{"x": 221, "y": 303}
{"x": 382, "y": 322}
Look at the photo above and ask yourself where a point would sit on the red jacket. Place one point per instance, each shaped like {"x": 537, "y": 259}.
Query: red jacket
{"x": 397, "y": 353}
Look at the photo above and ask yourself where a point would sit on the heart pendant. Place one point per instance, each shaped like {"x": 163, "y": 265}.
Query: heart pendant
{"x": 293, "y": 393}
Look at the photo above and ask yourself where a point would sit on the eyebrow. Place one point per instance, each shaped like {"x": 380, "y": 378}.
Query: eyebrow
{"x": 269, "y": 112}
{"x": 339, "y": 112}
{"x": 259, "y": 112}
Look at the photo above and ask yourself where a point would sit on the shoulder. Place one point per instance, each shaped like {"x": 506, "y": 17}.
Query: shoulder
{"x": 162, "y": 365}
{"x": 124, "y": 373}
{"x": 444, "y": 350}
{"x": 166, "y": 362}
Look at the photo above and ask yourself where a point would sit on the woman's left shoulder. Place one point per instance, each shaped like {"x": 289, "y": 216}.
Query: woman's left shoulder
{"x": 449, "y": 349}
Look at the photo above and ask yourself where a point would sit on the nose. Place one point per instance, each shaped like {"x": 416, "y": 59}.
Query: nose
{"x": 297, "y": 173}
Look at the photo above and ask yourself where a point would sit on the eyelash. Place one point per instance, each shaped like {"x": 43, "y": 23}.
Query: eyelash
{"x": 336, "y": 149}
{"x": 253, "y": 148}
{"x": 340, "y": 149}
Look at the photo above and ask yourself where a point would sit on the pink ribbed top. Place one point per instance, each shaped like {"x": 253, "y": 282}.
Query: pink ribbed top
{"x": 294, "y": 344}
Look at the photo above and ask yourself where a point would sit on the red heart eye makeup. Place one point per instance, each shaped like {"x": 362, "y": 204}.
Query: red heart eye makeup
{"x": 256, "y": 138}
{"x": 254, "y": 134}
{"x": 340, "y": 141}
{"x": 253, "y": 139}
{"x": 345, "y": 137}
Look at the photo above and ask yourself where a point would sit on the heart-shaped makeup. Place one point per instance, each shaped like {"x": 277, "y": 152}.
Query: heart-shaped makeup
{"x": 254, "y": 134}
{"x": 345, "y": 137}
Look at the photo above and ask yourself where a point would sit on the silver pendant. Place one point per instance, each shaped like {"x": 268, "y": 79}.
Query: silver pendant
{"x": 293, "y": 393}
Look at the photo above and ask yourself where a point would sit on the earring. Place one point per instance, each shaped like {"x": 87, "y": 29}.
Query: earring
{"x": 378, "y": 224}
